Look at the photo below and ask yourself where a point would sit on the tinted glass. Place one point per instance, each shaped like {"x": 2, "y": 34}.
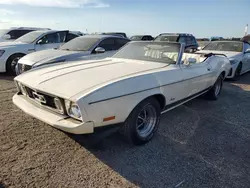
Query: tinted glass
{"x": 120, "y": 42}
{"x": 15, "y": 34}
{"x": 80, "y": 44}
{"x": 148, "y": 51}
{"x": 136, "y": 38}
{"x": 189, "y": 41}
{"x": 108, "y": 44}
{"x": 30, "y": 37}
{"x": 71, "y": 36}
{"x": 167, "y": 38}
{"x": 182, "y": 40}
{"x": 225, "y": 46}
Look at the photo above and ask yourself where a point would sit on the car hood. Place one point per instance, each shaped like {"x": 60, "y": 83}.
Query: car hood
{"x": 50, "y": 55}
{"x": 71, "y": 79}
{"x": 229, "y": 54}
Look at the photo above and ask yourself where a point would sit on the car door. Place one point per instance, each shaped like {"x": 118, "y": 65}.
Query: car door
{"x": 246, "y": 58}
{"x": 196, "y": 76}
{"x": 51, "y": 40}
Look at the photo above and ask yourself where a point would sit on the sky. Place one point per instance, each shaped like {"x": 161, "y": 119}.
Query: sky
{"x": 202, "y": 18}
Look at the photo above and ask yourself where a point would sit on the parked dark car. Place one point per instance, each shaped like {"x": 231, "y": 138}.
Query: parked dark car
{"x": 188, "y": 39}
{"x": 141, "y": 38}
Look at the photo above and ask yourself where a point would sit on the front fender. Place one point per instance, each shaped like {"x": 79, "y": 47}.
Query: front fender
{"x": 119, "y": 99}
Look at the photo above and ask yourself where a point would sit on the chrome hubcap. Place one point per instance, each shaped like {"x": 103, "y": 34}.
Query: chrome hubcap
{"x": 146, "y": 121}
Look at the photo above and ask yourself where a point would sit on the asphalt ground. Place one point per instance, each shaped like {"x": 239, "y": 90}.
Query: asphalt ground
{"x": 200, "y": 144}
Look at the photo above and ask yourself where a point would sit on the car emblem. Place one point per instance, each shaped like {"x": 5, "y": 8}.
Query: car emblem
{"x": 39, "y": 98}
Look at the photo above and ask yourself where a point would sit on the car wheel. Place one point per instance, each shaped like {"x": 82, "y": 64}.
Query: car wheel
{"x": 142, "y": 123}
{"x": 214, "y": 92}
{"x": 237, "y": 72}
{"x": 12, "y": 62}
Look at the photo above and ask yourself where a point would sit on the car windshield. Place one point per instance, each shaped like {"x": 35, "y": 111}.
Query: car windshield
{"x": 136, "y": 38}
{"x": 150, "y": 51}
{"x": 3, "y": 32}
{"x": 30, "y": 37}
{"x": 80, "y": 44}
{"x": 167, "y": 38}
{"x": 225, "y": 46}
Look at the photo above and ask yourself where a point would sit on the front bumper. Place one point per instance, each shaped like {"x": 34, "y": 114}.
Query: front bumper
{"x": 56, "y": 120}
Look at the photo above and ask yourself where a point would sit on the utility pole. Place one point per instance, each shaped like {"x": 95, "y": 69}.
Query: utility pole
{"x": 246, "y": 30}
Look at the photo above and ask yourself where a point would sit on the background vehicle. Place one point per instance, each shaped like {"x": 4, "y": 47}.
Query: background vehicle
{"x": 246, "y": 38}
{"x": 188, "y": 39}
{"x": 11, "y": 52}
{"x": 115, "y": 33}
{"x": 85, "y": 47}
{"x": 141, "y": 37}
{"x": 238, "y": 53}
{"x": 16, "y": 32}
{"x": 132, "y": 89}
{"x": 216, "y": 38}
{"x": 202, "y": 42}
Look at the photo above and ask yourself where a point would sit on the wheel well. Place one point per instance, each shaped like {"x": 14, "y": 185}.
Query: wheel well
{"x": 223, "y": 74}
{"x": 161, "y": 99}
{"x": 21, "y": 54}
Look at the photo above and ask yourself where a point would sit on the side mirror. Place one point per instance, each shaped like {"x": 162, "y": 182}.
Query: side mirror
{"x": 40, "y": 42}
{"x": 99, "y": 50}
{"x": 247, "y": 51}
{"x": 191, "y": 61}
{"x": 7, "y": 36}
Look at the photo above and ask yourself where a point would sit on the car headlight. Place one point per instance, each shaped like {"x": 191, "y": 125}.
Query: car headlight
{"x": 73, "y": 110}
{"x": 1, "y": 52}
{"x": 233, "y": 61}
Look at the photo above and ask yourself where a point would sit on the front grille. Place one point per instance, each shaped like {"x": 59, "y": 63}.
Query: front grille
{"x": 23, "y": 68}
{"x": 44, "y": 100}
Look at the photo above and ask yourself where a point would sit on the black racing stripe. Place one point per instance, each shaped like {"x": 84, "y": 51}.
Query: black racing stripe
{"x": 185, "y": 99}
{"x": 94, "y": 102}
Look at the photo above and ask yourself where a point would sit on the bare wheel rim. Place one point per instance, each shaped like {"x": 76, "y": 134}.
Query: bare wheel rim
{"x": 217, "y": 87}
{"x": 146, "y": 121}
{"x": 14, "y": 63}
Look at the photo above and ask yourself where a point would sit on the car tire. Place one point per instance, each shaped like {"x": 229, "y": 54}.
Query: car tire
{"x": 12, "y": 62}
{"x": 237, "y": 73}
{"x": 214, "y": 92}
{"x": 142, "y": 123}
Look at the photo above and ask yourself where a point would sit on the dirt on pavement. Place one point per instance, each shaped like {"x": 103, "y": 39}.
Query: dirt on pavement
{"x": 200, "y": 144}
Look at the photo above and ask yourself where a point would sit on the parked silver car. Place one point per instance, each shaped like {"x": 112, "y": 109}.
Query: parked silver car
{"x": 85, "y": 47}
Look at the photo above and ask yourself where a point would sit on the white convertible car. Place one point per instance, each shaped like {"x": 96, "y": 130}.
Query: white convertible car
{"x": 131, "y": 89}
{"x": 238, "y": 53}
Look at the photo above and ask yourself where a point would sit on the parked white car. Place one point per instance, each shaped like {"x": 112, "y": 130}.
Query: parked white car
{"x": 238, "y": 53}
{"x": 86, "y": 47}
{"x": 11, "y": 52}
{"x": 131, "y": 89}
{"x": 13, "y": 33}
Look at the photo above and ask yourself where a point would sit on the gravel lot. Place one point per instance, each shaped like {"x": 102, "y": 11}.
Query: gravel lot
{"x": 200, "y": 144}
